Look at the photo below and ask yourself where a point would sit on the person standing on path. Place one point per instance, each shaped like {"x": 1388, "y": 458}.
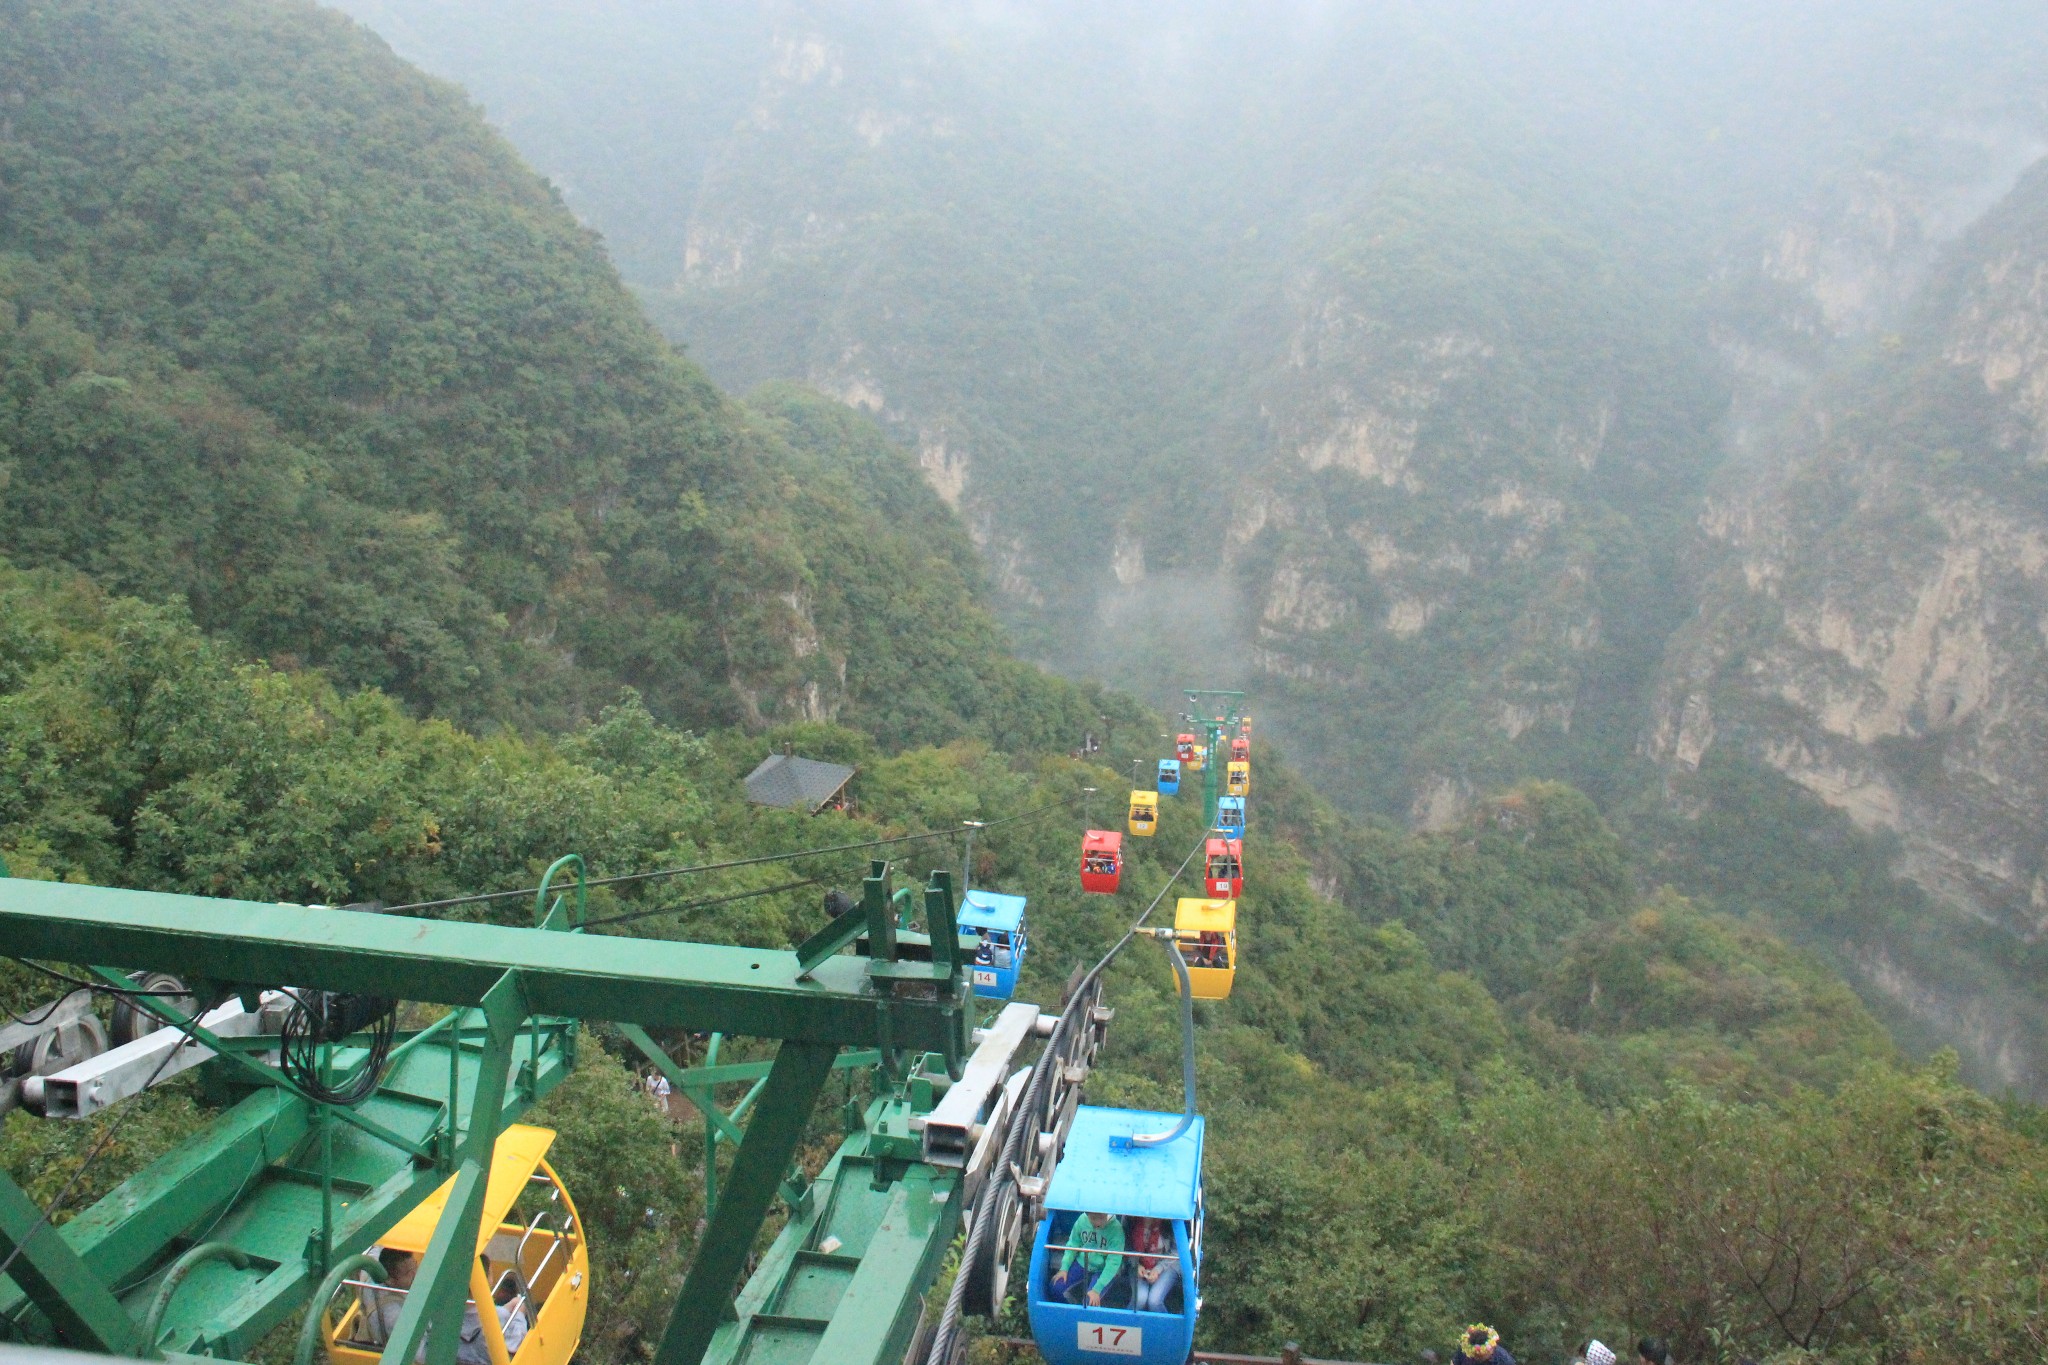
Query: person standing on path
{"x": 1480, "y": 1345}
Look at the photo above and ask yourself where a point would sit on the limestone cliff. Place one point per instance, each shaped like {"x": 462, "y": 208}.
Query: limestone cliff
{"x": 1874, "y": 609}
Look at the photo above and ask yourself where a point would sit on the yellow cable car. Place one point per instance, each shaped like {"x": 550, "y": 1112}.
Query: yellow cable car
{"x": 1207, "y": 933}
{"x": 1144, "y": 814}
{"x": 530, "y": 1254}
{"x": 1201, "y": 755}
{"x": 1238, "y": 779}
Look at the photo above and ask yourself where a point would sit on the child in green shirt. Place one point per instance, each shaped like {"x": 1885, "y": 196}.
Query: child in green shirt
{"x": 1095, "y": 1242}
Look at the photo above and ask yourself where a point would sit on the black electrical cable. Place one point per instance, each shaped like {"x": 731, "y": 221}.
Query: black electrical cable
{"x": 45, "y": 1015}
{"x": 311, "y": 1025}
{"x": 93, "y": 986}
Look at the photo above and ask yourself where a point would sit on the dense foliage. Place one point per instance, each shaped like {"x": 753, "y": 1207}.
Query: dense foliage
{"x": 285, "y": 332}
{"x": 1394, "y": 360}
{"x": 366, "y": 544}
{"x": 1602, "y": 1124}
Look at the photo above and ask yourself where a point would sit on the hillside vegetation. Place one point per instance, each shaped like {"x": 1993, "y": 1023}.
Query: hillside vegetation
{"x": 1497, "y": 393}
{"x": 287, "y": 334}
{"x": 361, "y": 542}
{"x": 1397, "y": 1146}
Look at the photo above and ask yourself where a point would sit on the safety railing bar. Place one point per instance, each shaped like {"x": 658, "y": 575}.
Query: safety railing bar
{"x": 1105, "y": 1251}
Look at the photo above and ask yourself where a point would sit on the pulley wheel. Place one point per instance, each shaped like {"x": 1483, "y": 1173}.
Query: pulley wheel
{"x": 132, "y": 1022}
{"x": 67, "y": 1046}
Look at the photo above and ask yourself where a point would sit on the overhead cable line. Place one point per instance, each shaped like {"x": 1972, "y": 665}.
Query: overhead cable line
{"x": 666, "y": 872}
{"x": 945, "y": 1344}
{"x": 705, "y": 904}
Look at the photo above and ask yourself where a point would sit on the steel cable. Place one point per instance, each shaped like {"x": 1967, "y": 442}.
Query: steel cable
{"x": 657, "y": 874}
{"x": 944, "y": 1348}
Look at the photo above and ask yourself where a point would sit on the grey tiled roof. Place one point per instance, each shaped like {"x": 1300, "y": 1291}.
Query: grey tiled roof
{"x": 804, "y": 783}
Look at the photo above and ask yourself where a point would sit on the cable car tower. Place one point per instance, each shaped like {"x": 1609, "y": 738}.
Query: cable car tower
{"x": 1217, "y": 713}
{"x": 263, "y": 1218}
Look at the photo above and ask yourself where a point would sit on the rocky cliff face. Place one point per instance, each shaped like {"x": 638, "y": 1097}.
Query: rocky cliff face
{"x": 1486, "y": 410}
{"x": 1874, "y": 609}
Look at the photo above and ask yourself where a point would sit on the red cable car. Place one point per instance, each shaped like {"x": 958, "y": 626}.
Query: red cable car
{"x": 1184, "y": 748}
{"x": 1241, "y": 750}
{"x": 1225, "y": 875}
{"x": 1102, "y": 860}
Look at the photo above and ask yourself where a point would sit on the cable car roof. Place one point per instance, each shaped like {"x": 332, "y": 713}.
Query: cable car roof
{"x": 1103, "y": 839}
{"x": 1195, "y": 915}
{"x": 991, "y": 910}
{"x": 1143, "y": 1182}
{"x": 513, "y": 1162}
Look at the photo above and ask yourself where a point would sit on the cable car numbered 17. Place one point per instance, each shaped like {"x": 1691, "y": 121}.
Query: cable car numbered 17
{"x": 1141, "y": 1263}
{"x": 998, "y": 922}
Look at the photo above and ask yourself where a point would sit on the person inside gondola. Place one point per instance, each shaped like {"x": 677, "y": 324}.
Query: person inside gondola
{"x": 1211, "y": 950}
{"x": 470, "y": 1346}
{"x": 1156, "y": 1270}
{"x": 382, "y": 1306}
{"x": 1092, "y": 1261}
{"x": 1101, "y": 864}
{"x": 512, "y": 1318}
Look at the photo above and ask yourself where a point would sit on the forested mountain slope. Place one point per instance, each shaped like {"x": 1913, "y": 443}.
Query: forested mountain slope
{"x": 1393, "y": 1150}
{"x": 1872, "y": 625}
{"x": 1371, "y": 351}
{"x": 286, "y": 332}
{"x": 1409, "y": 364}
{"x": 278, "y": 308}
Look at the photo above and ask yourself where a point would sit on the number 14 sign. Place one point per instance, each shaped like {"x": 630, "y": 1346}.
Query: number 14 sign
{"x": 1104, "y": 1339}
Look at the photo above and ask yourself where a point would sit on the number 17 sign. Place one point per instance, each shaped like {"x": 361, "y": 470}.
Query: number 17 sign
{"x": 1105, "y": 1339}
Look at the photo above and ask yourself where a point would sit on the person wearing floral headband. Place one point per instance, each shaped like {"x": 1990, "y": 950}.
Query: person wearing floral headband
{"x": 1480, "y": 1345}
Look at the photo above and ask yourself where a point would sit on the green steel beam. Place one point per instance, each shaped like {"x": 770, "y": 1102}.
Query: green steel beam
{"x": 184, "y": 1189}
{"x": 844, "y": 1280}
{"x": 251, "y": 1070}
{"x": 587, "y": 976}
{"x": 442, "y": 1284}
{"x": 880, "y": 916}
{"x": 793, "y": 1086}
{"x": 237, "y": 1182}
{"x": 85, "y": 1313}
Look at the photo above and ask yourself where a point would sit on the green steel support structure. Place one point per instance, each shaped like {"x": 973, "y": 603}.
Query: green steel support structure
{"x": 289, "y": 1188}
{"x": 1216, "y": 726}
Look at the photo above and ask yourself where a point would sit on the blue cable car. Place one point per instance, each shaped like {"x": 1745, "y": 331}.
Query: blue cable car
{"x": 1128, "y": 1184}
{"x": 998, "y": 922}
{"x": 1169, "y": 777}
{"x": 1230, "y": 815}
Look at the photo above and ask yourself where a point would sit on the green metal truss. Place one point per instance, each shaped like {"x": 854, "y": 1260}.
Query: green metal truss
{"x": 231, "y": 1233}
{"x": 1217, "y": 726}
